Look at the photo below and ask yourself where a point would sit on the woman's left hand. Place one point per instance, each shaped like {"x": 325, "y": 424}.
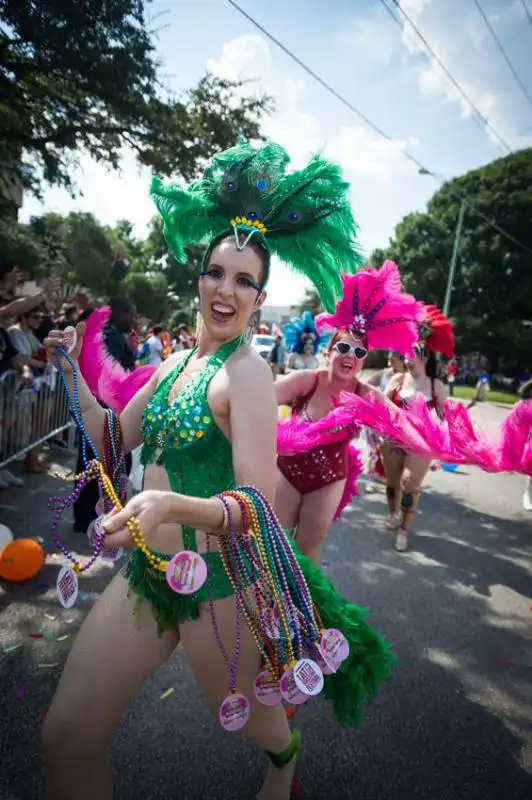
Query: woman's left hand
{"x": 148, "y": 509}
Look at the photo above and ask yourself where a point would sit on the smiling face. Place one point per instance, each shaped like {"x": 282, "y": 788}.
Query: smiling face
{"x": 230, "y": 289}
{"x": 347, "y": 354}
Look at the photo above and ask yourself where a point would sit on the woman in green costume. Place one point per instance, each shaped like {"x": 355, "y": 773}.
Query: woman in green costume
{"x": 208, "y": 423}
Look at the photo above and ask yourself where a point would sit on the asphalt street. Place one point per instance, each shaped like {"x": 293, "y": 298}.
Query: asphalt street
{"x": 453, "y": 723}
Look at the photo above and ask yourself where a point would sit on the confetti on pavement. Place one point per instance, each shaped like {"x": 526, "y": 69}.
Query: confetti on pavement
{"x": 62, "y": 638}
{"x": 166, "y": 694}
{"x": 11, "y": 648}
{"x": 48, "y": 664}
{"x": 21, "y": 691}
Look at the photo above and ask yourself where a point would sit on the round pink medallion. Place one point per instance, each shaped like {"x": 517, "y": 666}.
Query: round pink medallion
{"x": 70, "y": 339}
{"x": 308, "y": 677}
{"x": 334, "y": 646}
{"x": 67, "y": 587}
{"x": 266, "y": 688}
{"x": 290, "y": 691}
{"x": 186, "y": 572}
{"x": 327, "y": 667}
{"x": 234, "y": 712}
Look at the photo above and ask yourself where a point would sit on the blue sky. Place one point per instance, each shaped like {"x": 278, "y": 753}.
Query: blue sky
{"x": 377, "y": 65}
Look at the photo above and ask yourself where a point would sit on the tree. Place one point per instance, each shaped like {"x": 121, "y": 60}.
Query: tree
{"x": 492, "y": 294}
{"x": 311, "y": 302}
{"x": 181, "y": 278}
{"x": 83, "y": 77}
{"x": 149, "y": 292}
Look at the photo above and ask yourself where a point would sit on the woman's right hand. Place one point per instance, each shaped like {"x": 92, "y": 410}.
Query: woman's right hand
{"x": 55, "y": 340}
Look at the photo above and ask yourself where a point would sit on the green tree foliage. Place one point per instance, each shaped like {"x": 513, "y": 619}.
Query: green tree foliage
{"x": 181, "y": 278}
{"x": 82, "y": 77}
{"x": 149, "y": 292}
{"x": 492, "y": 295}
{"x": 311, "y": 302}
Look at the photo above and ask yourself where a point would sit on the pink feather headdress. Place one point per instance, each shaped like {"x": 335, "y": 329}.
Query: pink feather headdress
{"x": 375, "y": 307}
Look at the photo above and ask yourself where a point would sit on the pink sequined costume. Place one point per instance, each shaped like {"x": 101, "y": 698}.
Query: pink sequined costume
{"x": 374, "y": 308}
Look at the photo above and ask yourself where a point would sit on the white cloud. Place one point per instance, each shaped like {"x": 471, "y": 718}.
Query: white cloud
{"x": 460, "y": 39}
{"x": 361, "y": 154}
{"x": 247, "y": 56}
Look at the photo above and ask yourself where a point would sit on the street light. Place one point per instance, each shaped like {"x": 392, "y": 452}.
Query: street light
{"x": 456, "y": 246}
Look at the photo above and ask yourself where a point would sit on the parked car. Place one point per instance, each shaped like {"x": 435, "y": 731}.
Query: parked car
{"x": 263, "y": 344}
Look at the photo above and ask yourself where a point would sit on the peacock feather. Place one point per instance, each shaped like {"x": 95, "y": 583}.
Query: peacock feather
{"x": 303, "y": 217}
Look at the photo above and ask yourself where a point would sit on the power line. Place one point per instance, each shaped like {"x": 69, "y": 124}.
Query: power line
{"x": 422, "y": 170}
{"x": 503, "y": 51}
{"x": 481, "y": 121}
{"x": 527, "y": 11}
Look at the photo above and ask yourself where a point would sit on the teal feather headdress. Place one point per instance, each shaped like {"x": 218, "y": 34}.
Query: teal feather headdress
{"x": 303, "y": 217}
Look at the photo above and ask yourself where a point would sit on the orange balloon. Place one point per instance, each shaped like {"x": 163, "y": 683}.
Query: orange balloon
{"x": 21, "y": 560}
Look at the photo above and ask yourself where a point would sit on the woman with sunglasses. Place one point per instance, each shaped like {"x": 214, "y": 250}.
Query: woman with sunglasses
{"x": 405, "y": 472}
{"x": 316, "y": 482}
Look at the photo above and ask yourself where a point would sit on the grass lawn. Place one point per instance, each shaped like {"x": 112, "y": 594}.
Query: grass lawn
{"x": 495, "y": 396}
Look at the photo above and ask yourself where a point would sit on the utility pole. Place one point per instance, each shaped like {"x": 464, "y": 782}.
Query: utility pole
{"x": 454, "y": 258}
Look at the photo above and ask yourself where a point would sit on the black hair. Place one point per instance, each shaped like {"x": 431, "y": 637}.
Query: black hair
{"x": 158, "y": 329}
{"x": 121, "y": 305}
{"x": 431, "y": 365}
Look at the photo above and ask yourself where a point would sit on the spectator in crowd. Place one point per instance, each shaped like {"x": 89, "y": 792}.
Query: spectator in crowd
{"x": 11, "y": 359}
{"x": 116, "y": 336}
{"x": 452, "y": 371}
{"x": 22, "y": 334}
{"x": 24, "y": 340}
{"x": 481, "y": 390}
{"x": 156, "y": 346}
{"x": 11, "y": 307}
{"x": 278, "y": 357}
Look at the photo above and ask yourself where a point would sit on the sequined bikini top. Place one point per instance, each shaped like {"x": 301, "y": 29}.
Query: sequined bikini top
{"x": 183, "y": 437}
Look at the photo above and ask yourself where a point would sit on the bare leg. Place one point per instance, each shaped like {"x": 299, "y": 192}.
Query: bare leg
{"x": 413, "y": 476}
{"x": 114, "y": 653}
{"x": 316, "y": 517}
{"x": 267, "y": 725}
{"x": 393, "y": 460}
{"x": 287, "y": 502}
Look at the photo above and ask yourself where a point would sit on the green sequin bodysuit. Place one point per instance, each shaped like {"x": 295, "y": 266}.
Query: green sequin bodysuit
{"x": 182, "y": 437}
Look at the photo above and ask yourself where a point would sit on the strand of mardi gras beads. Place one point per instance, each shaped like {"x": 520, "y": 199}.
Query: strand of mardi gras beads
{"x": 305, "y": 678}
{"x": 295, "y": 570}
{"x": 266, "y": 686}
{"x": 250, "y": 578}
{"x": 333, "y": 647}
{"x": 74, "y": 403}
{"x": 272, "y": 579}
{"x": 235, "y": 709}
{"x": 301, "y": 678}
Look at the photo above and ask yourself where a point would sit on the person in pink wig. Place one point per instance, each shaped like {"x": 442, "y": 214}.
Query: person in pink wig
{"x": 316, "y": 481}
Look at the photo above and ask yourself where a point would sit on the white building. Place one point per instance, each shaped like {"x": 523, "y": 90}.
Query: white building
{"x": 278, "y": 314}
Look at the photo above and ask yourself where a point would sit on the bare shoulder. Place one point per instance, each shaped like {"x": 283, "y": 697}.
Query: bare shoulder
{"x": 246, "y": 365}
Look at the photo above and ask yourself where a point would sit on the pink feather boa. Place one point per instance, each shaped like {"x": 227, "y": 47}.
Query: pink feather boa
{"x": 105, "y": 377}
{"x": 454, "y": 439}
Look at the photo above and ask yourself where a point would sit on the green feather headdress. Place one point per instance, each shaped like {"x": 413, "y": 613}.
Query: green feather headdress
{"x": 303, "y": 217}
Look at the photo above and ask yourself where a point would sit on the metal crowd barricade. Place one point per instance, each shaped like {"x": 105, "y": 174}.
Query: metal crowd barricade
{"x": 31, "y": 415}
